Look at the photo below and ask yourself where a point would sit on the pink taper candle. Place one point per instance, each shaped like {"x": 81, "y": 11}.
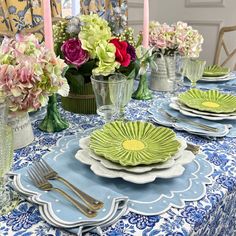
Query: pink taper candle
{"x": 145, "y": 23}
{"x": 47, "y": 16}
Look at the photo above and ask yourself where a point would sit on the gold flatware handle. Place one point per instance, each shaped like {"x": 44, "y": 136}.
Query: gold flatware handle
{"x": 85, "y": 210}
{"x": 175, "y": 119}
{"x": 90, "y": 201}
{"x": 193, "y": 148}
{"x": 205, "y": 127}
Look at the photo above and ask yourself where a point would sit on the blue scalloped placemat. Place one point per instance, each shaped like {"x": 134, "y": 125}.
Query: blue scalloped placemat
{"x": 162, "y": 103}
{"x": 148, "y": 199}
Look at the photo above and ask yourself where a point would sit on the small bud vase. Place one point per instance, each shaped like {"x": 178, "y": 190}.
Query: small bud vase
{"x": 53, "y": 122}
{"x": 142, "y": 92}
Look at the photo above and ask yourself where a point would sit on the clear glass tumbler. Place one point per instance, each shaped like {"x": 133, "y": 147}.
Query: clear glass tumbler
{"x": 109, "y": 94}
{"x": 128, "y": 91}
{"x": 7, "y": 201}
{"x": 179, "y": 72}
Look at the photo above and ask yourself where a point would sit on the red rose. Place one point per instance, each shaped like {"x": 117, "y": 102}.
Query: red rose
{"x": 122, "y": 56}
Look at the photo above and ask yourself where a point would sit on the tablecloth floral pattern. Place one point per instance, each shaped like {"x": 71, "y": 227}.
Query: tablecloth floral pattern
{"x": 215, "y": 214}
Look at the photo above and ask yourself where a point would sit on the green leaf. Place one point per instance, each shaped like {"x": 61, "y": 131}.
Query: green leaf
{"x": 86, "y": 69}
{"x": 75, "y": 79}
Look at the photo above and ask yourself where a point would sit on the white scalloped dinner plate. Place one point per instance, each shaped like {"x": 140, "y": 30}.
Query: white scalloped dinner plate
{"x": 218, "y": 79}
{"x": 99, "y": 169}
{"x": 176, "y": 102}
{"x": 84, "y": 144}
{"x": 207, "y": 117}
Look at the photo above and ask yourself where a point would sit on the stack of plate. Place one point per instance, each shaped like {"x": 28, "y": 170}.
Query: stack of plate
{"x": 136, "y": 151}
{"x": 209, "y": 105}
{"x": 216, "y": 74}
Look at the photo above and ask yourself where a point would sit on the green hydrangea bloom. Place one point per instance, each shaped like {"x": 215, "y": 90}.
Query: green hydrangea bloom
{"x": 6, "y": 59}
{"x": 94, "y": 29}
{"x": 106, "y": 55}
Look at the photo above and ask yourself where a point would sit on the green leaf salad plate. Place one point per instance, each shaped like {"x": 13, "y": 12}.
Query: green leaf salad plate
{"x": 215, "y": 71}
{"x": 211, "y": 100}
{"x": 134, "y": 143}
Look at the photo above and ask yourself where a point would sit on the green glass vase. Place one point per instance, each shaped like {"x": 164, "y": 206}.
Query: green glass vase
{"x": 53, "y": 122}
{"x": 142, "y": 92}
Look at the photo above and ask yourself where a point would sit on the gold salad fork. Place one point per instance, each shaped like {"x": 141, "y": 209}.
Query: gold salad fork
{"x": 45, "y": 185}
{"x": 175, "y": 119}
{"x": 51, "y": 174}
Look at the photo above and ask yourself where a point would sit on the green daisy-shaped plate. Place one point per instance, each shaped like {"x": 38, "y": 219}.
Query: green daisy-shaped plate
{"x": 134, "y": 143}
{"x": 211, "y": 101}
{"x": 215, "y": 71}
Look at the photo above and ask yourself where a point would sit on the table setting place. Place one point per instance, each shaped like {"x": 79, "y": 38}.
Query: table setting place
{"x": 137, "y": 154}
{"x": 106, "y": 137}
{"x": 90, "y": 179}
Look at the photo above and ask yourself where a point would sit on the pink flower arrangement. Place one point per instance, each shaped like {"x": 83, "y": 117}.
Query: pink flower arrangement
{"x": 29, "y": 73}
{"x": 179, "y": 37}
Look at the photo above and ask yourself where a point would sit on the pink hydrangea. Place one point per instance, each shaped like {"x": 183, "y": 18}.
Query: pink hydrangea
{"x": 29, "y": 73}
{"x": 179, "y": 38}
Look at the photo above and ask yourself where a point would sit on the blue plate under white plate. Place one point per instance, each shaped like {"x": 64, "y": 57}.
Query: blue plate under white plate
{"x": 149, "y": 199}
{"x": 160, "y": 118}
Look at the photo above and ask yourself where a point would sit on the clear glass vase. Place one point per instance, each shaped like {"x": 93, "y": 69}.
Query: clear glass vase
{"x": 8, "y": 199}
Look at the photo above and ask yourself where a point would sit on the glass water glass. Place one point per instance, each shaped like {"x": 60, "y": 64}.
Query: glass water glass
{"x": 6, "y": 158}
{"x": 179, "y": 72}
{"x": 128, "y": 91}
{"x": 109, "y": 92}
{"x": 194, "y": 70}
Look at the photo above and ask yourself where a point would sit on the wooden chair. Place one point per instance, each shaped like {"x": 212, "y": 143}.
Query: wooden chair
{"x": 221, "y": 44}
{"x": 38, "y": 30}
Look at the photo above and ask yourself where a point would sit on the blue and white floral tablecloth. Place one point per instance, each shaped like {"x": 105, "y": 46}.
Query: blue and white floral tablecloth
{"x": 213, "y": 215}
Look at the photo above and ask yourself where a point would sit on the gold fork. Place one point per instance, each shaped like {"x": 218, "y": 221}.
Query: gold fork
{"x": 51, "y": 174}
{"x": 45, "y": 185}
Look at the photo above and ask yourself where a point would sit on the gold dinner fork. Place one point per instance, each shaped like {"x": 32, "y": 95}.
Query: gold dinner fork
{"x": 45, "y": 185}
{"x": 51, "y": 174}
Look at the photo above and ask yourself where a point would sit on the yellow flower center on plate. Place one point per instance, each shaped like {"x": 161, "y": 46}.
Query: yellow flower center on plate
{"x": 133, "y": 145}
{"x": 210, "y": 104}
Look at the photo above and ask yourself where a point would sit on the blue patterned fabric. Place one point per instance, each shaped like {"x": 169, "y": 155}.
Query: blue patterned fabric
{"x": 214, "y": 214}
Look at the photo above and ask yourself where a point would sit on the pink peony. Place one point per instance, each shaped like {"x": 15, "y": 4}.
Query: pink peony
{"x": 73, "y": 52}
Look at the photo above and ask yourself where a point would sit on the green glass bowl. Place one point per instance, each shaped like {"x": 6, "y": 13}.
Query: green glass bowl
{"x": 134, "y": 143}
